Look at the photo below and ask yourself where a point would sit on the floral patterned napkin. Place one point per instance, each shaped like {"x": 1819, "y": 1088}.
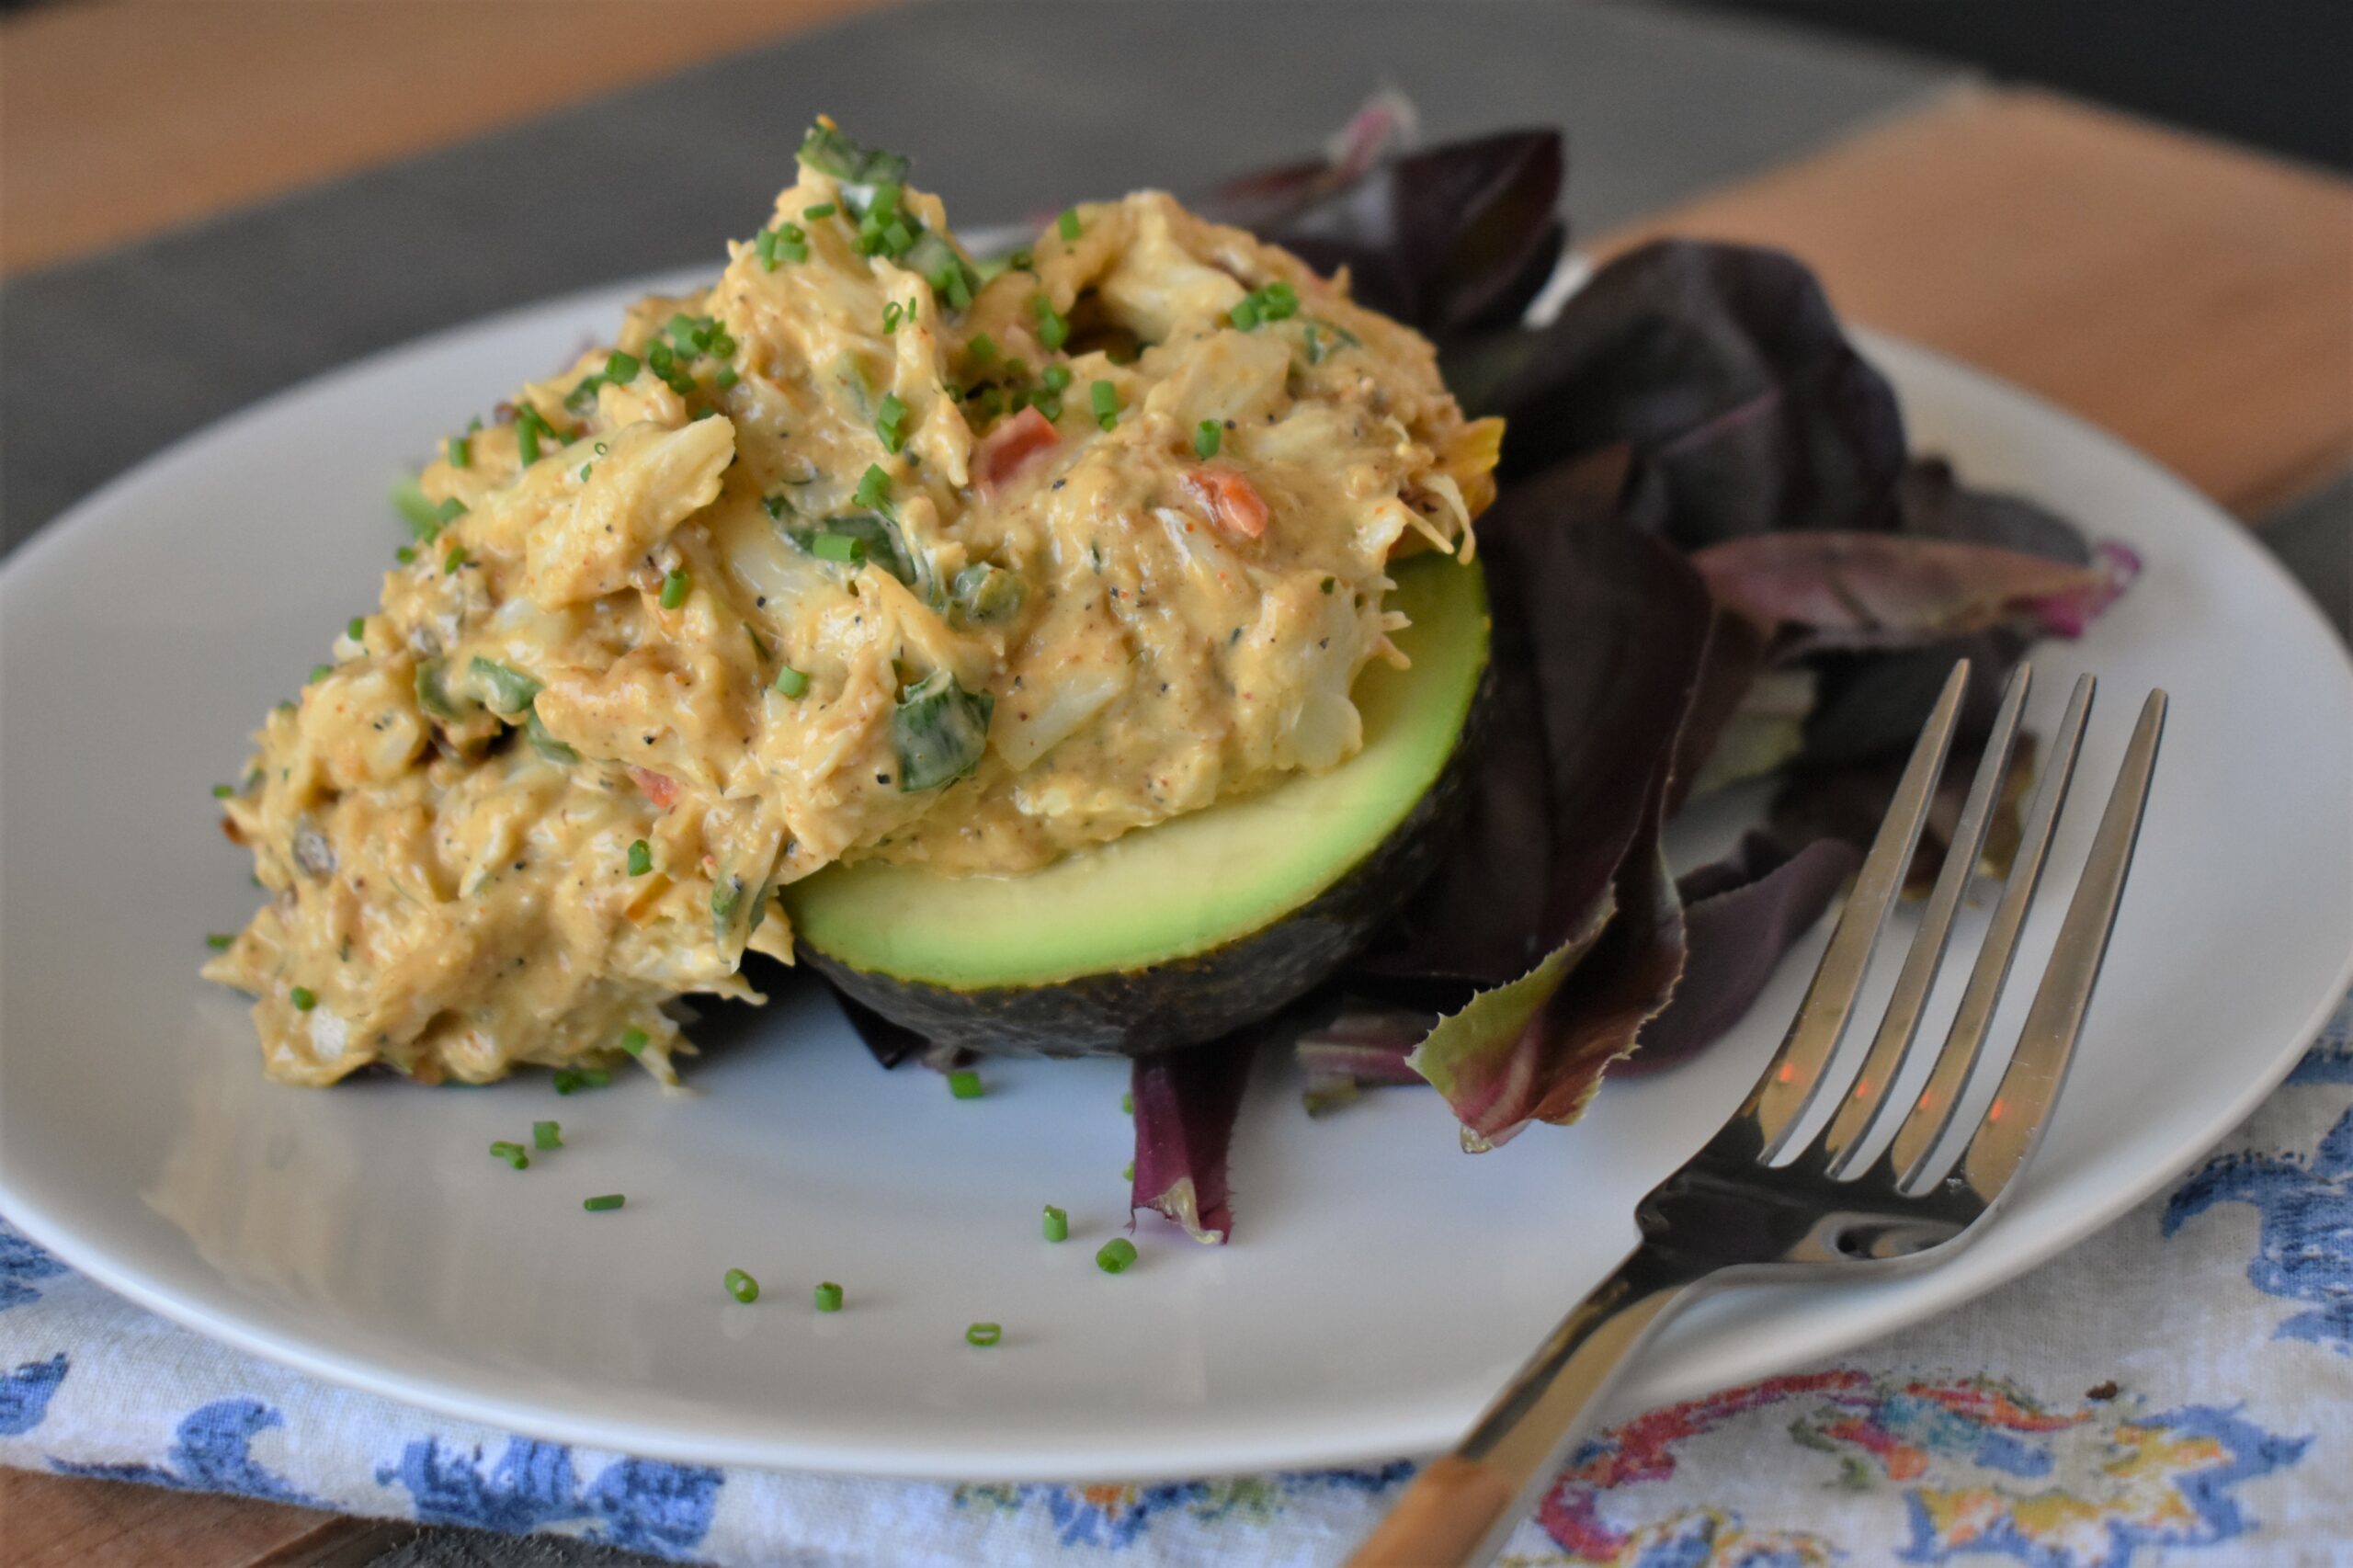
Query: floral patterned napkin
{"x": 2177, "y": 1389}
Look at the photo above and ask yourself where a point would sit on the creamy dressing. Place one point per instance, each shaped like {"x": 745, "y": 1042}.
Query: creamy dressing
{"x": 846, "y": 557}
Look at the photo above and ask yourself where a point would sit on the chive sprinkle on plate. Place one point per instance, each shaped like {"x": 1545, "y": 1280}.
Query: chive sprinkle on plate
{"x": 1116, "y": 1256}
{"x": 742, "y": 1286}
{"x": 829, "y": 1297}
{"x": 983, "y": 1334}
{"x": 603, "y": 1204}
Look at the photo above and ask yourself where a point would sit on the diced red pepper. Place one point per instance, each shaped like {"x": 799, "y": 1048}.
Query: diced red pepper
{"x": 1233, "y": 503}
{"x": 1004, "y": 452}
{"x": 658, "y": 787}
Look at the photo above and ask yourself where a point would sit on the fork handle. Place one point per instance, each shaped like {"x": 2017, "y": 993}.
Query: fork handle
{"x": 1458, "y": 1511}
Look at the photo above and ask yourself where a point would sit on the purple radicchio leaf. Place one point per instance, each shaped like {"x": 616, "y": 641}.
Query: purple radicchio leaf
{"x": 1364, "y": 1046}
{"x": 1186, "y": 1102}
{"x": 1725, "y": 369}
{"x": 1446, "y": 239}
{"x": 1740, "y": 916}
{"x": 1606, "y": 628}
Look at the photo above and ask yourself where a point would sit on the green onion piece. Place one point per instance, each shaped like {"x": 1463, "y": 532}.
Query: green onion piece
{"x": 959, "y": 290}
{"x": 1048, "y": 405}
{"x": 513, "y": 1153}
{"x": 725, "y": 379}
{"x": 1129, "y": 1173}
{"x": 1106, "y": 399}
{"x": 821, "y": 210}
{"x": 404, "y": 555}
{"x": 223, "y": 791}
{"x": 1055, "y": 377}
{"x": 527, "y": 439}
{"x": 304, "y": 998}
{"x": 641, "y": 859}
{"x": 546, "y": 745}
{"x": 635, "y": 1040}
{"x": 673, "y": 588}
{"x": 985, "y": 595}
{"x": 836, "y": 547}
{"x": 829, "y": 1297}
{"x": 1057, "y": 1224}
{"x": 873, "y": 487}
{"x": 220, "y": 942}
{"x": 620, "y": 368}
{"x": 740, "y": 1286}
{"x": 1207, "y": 438}
{"x": 1245, "y": 314}
{"x": 889, "y": 418}
{"x": 605, "y": 1204}
{"x": 547, "y": 1135}
{"x": 939, "y": 731}
{"x": 795, "y": 251}
{"x": 358, "y": 629}
{"x": 965, "y": 1084}
{"x": 504, "y": 690}
{"x": 1278, "y": 300}
{"x": 461, "y": 452}
{"x": 1054, "y": 330}
{"x": 791, "y": 682}
{"x": 455, "y": 559}
{"x": 983, "y": 1334}
{"x": 320, "y": 673}
{"x": 1116, "y": 1255}
{"x": 1067, "y": 224}
{"x": 1128, "y": 1104}
{"x": 763, "y": 246}
{"x": 982, "y": 348}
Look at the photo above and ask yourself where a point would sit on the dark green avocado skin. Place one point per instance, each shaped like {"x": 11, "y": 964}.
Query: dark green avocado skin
{"x": 1194, "y": 1001}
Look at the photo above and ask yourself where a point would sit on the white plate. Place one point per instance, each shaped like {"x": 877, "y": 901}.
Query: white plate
{"x": 1382, "y": 1283}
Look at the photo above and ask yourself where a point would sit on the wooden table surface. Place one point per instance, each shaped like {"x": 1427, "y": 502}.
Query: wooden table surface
{"x": 2195, "y": 299}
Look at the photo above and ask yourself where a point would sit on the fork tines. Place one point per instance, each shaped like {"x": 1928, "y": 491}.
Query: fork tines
{"x": 1804, "y": 1067}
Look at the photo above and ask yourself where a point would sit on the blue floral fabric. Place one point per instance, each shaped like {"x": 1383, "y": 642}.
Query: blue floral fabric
{"x": 2177, "y": 1390}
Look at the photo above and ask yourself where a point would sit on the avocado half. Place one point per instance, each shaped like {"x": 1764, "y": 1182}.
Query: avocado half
{"x": 1185, "y": 931}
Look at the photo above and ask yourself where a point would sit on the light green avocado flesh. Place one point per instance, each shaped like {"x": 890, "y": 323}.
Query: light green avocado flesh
{"x": 1194, "y": 884}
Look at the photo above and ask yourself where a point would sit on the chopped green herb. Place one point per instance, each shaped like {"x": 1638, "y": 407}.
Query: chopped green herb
{"x": 1067, "y": 224}
{"x": 1128, "y": 1104}
{"x": 982, "y": 348}
{"x": 985, "y": 595}
{"x": 620, "y": 368}
{"x": 546, "y": 745}
{"x": 527, "y": 425}
{"x": 547, "y": 1135}
{"x": 1105, "y": 400}
{"x": 404, "y": 555}
{"x": 320, "y": 673}
{"x": 791, "y": 682}
{"x": 725, "y": 379}
{"x": 1246, "y": 313}
{"x": 223, "y": 791}
{"x": 1055, "y": 377}
{"x": 836, "y": 547}
{"x": 1057, "y": 1224}
{"x": 1054, "y": 330}
{"x": 358, "y": 629}
{"x": 740, "y": 1286}
{"x": 502, "y": 690}
{"x": 890, "y": 421}
{"x": 965, "y": 1084}
{"x": 304, "y": 998}
{"x": 641, "y": 859}
{"x": 873, "y": 487}
{"x": 1048, "y": 405}
{"x": 455, "y": 559}
{"x": 635, "y": 1040}
{"x": 1207, "y": 438}
{"x": 461, "y": 452}
{"x": 605, "y": 1204}
{"x": 939, "y": 731}
{"x": 983, "y": 1334}
{"x": 673, "y": 588}
{"x": 220, "y": 942}
{"x": 1115, "y": 1255}
{"x": 1329, "y": 582}
{"x": 1278, "y": 300}
{"x": 821, "y": 210}
{"x": 829, "y": 1297}
{"x": 513, "y": 1153}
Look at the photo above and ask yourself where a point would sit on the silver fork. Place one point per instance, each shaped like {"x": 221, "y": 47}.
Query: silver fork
{"x": 1732, "y": 1215}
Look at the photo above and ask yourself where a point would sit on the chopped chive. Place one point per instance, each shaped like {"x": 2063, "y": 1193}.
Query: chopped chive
{"x": 1246, "y": 313}
{"x": 1128, "y": 1104}
{"x": 1129, "y": 1172}
{"x": 461, "y": 452}
{"x": 829, "y": 1297}
{"x": 320, "y": 673}
{"x": 527, "y": 441}
{"x": 1106, "y": 399}
{"x": 965, "y": 1084}
{"x": 1057, "y": 1224}
{"x": 725, "y": 379}
{"x": 641, "y": 859}
{"x": 547, "y": 1135}
{"x": 890, "y": 419}
{"x": 1329, "y": 582}
{"x": 358, "y": 629}
{"x": 982, "y": 348}
{"x": 791, "y": 682}
{"x": 404, "y": 555}
{"x": 304, "y": 998}
{"x": 1207, "y": 438}
{"x": 1067, "y": 224}
{"x": 220, "y": 941}
{"x": 635, "y": 1040}
{"x": 513, "y": 1153}
{"x": 983, "y": 1334}
{"x": 595, "y": 1078}
{"x": 605, "y": 1204}
{"x": 673, "y": 588}
{"x": 1279, "y": 301}
{"x": 837, "y": 547}
{"x": 1048, "y": 405}
{"x": 223, "y": 791}
{"x": 1116, "y": 1255}
{"x": 873, "y": 487}
{"x": 1055, "y": 377}
{"x": 455, "y": 559}
{"x": 822, "y": 209}
{"x": 1054, "y": 330}
{"x": 740, "y": 1286}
